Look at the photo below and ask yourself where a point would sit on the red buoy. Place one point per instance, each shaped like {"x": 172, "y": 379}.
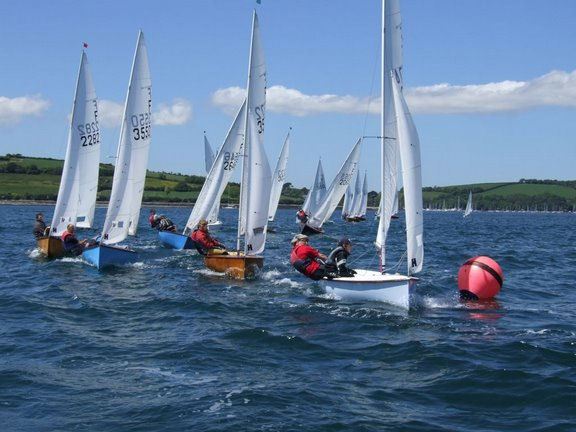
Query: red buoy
{"x": 480, "y": 278}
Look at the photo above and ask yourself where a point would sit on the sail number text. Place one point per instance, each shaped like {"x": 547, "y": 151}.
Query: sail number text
{"x": 259, "y": 111}
{"x": 89, "y": 133}
{"x": 230, "y": 160}
{"x": 140, "y": 126}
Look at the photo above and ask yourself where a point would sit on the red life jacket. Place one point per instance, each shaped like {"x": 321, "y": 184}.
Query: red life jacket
{"x": 302, "y": 258}
{"x": 65, "y": 235}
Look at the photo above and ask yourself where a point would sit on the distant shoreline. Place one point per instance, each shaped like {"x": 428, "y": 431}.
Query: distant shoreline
{"x": 102, "y": 204}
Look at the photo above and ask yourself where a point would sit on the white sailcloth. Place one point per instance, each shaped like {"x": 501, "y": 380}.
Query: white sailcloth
{"x": 256, "y": 174}
{"x": 132, "y": 158}
{"x": 279, "y": 178}
{"x": 337, "y": 189}
{"x": 391, "y": 63}
{"x": 317, "y": 192}
{"x": 409, "y": 146}
{"x": 79, "y": 183}
{"x": 364, "y": 199}
{"x": 468, "y": 209}
{"x": 220, "y": 172}
{"x": 209, "y": 161}
{"x": 357, "y": 198}
{"x": 348, "y": 199}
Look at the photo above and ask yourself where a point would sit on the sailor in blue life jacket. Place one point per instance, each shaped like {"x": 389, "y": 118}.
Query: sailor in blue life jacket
{"x": 71, "y": 243}
{"x": 337, "y": 260}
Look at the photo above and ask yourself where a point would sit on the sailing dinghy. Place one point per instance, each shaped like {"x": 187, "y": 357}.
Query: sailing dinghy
{"x": 256, "y": 181}
{"x": 76, "y": 200}
{"x": 210, "y": 195}
{"x": 359, "y": 201}
{"x": 468, "y": 209}
{"x": 380, "y": 285}
{"x": 130, "y": 170}
{"x": 334, "y": 194}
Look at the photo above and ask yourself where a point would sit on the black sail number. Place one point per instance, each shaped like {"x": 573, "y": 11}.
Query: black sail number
{"x": 89, "y": 133}
{"x": 140, "y": 126}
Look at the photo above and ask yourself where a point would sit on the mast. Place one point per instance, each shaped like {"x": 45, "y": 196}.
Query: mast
{"x": 243, "y": 180}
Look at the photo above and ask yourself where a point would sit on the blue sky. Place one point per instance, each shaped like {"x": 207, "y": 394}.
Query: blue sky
{"x": 491, "y": 84}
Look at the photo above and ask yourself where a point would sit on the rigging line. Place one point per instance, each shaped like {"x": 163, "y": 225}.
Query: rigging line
{"x": 374, "y": 70}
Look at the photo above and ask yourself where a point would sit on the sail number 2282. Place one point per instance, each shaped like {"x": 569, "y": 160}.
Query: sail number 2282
{"x": 89, "y": 134}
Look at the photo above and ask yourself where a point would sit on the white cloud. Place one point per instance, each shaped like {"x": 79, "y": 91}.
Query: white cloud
{"x": 557, "y": 88}
{"x": 178, "y": 113}
{"x": 12, "y": 110}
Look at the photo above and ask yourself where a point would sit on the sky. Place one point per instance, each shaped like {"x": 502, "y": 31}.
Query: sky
{"x": 491, "y": 84}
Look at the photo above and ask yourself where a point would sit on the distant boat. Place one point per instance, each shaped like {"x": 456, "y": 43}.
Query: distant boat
{"x": 468, "y": 209}
{"x": 318, "y": 216}
{"x": 317, "y": 191}
{"x": 79, "y": 182}
{"x": 130, "y": 169}
{"x": 357, "y": 212}
{"x": 380, "y": 285}
{"x": 256, "y": 182}
{"x": 279, "y": 178}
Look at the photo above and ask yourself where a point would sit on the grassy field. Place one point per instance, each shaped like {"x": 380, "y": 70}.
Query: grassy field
{"x": 24, "y": 177}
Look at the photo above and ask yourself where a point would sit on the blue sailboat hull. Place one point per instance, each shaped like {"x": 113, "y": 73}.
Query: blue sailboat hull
{"x": 176, "y": 240}
{"x": 102, "y": 256}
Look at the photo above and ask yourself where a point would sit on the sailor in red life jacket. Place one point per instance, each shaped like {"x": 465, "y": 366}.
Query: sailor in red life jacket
{"x": 306, "y": 259}
{"x": 153, "y": 219}
{"x": 205, "y": 241}
{"x": 70, "y": 242}
{"x": 302, "y": 216}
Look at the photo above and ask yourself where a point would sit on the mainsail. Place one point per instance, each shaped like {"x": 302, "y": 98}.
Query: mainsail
{"x": 279, "y": 178}
{"x": 79, "y": 183}
{"x": 317, "y": 192}
{"x": 132, "y": 158}
{"x": 337, "y": 189}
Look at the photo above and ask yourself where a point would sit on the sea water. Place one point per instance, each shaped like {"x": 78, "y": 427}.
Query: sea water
{"x": 166, "y": 345}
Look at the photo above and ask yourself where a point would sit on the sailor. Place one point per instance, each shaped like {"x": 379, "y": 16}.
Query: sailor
{"x": 71, "y": 243}
{"x": 39, "y": 226}
{"x": 153, "y": 219}
{"x": 164, "y": 224}
{"x": 205, "y": 243}
{"x": 337, "y": 260}
{"x": 307, "y": 260}
{"x": 302, "y": 216}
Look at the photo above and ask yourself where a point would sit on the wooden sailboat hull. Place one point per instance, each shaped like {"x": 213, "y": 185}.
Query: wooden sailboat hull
{"x": 51, "y": 247}
{"x": 102, "y": 256}
{"x": 355, "y": 219}
{"x": 394, "y": 289}
{"x": 309, "y": 230}
{"x": 237, "y": 266}
{"x": 176, "y": 240}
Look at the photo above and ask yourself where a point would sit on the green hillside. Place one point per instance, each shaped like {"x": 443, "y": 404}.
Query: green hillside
{"x": 31, "y": 178}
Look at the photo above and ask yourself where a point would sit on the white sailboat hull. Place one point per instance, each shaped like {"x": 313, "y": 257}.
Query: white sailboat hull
{"x": 371, "y": 285}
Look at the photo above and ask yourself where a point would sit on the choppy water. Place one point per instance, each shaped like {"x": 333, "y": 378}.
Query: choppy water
{"x": 165, "y": 345}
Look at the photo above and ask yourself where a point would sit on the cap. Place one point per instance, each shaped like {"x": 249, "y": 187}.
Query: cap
{"x": 344, "y": 241}
{"x": 298, "y": 237}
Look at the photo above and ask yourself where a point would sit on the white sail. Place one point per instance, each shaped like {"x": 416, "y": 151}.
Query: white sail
{"x": 395, "y": 205}
{"x": 220, "y": 172}
{"x": 348, "y": 199}
{"x": 409, "y": 146}
{"x": 209, "y": 161}
{"x": 317, "y": 192}
{"x": 337, "y": 189}
{"x": 357, "y": 197}
{"x": 79, "y": 183}
{"x": 279, "y": 178}
{"x": 132, "y": 158}
{"x": 468, "y": 209}
{"x": 364, "y": 199}
{"x": 256, "y": 174}
{"x": 391, "y": 63}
